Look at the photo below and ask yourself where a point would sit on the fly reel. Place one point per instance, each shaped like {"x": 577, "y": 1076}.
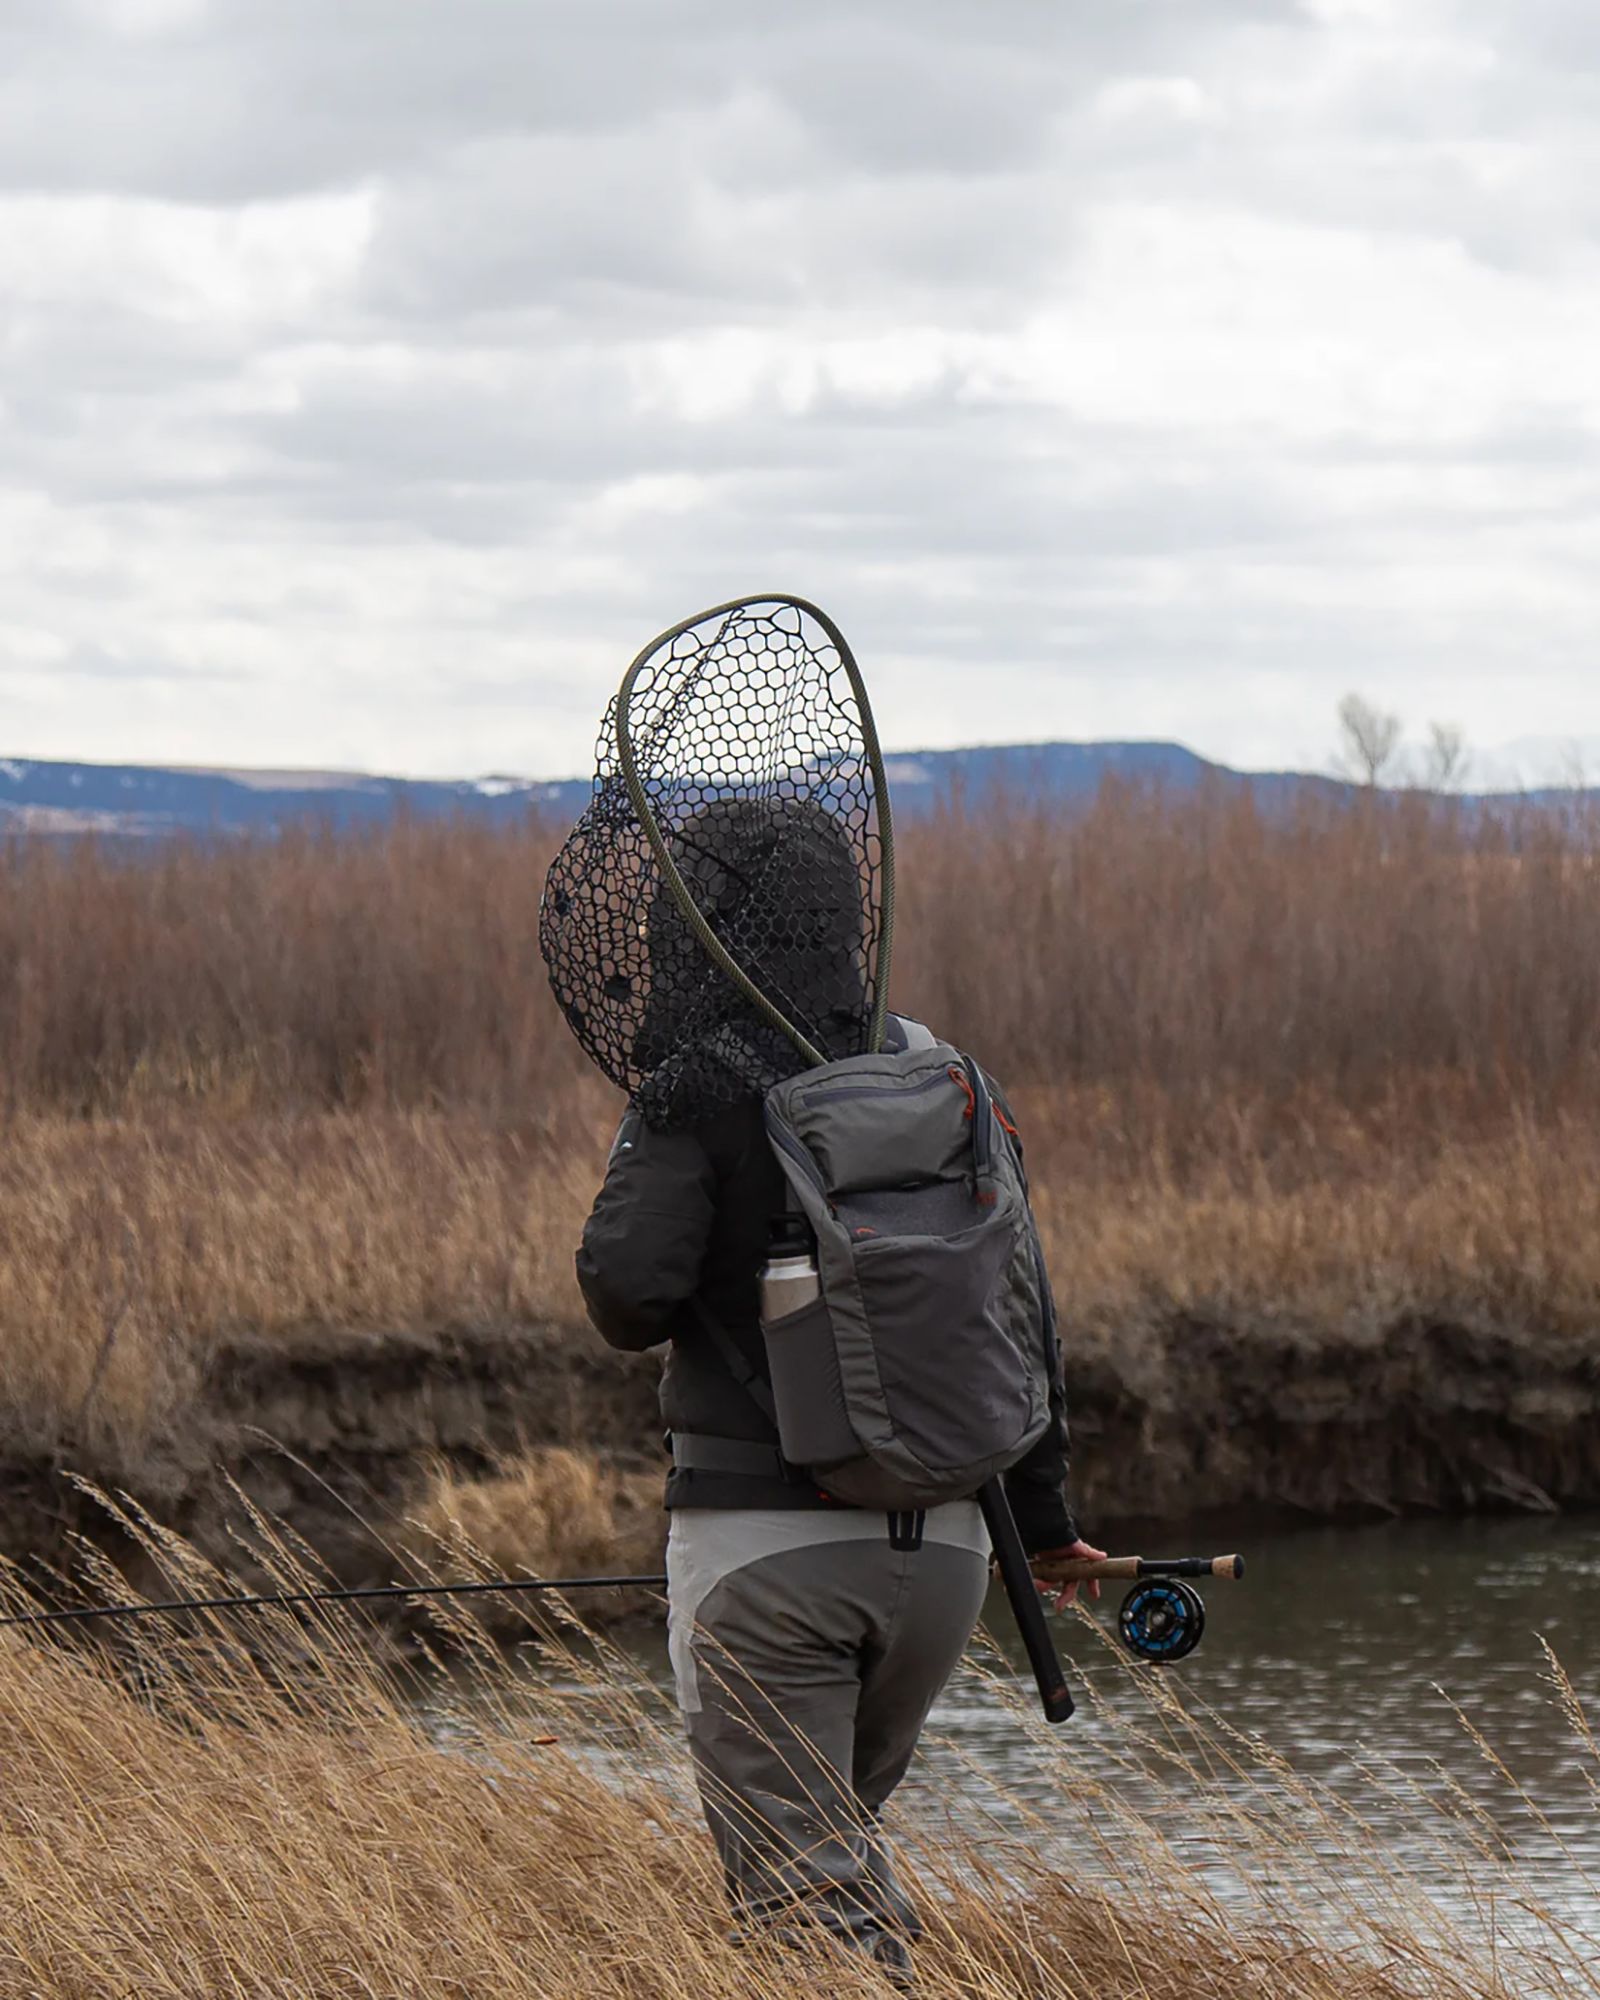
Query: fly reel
{"x": 1163, "y": 1617}
{"x": 1162, "y": 1620}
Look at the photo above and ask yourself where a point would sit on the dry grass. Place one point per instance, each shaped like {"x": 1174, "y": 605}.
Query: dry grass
{"x": 1313, "y": 1079}
{"x": 549, "y": 1514}
{"x": 1354, "y": 1226}
{"x": 1334, "y": 1071}
{"x": 189, "y": 1818}
{"x": 133, "y": 1251}
{"x": 1190, "y": 946}
{"x": 553, "y": 1512}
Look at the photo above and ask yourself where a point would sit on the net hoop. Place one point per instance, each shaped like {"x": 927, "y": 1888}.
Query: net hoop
{"x": 672, "y": 875}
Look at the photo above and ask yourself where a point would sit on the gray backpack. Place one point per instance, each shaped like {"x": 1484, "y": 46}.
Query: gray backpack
{"x": 923, "y": 1366}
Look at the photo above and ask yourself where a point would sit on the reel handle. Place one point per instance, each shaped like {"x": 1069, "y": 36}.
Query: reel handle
{"x": 1134, "y": 1567}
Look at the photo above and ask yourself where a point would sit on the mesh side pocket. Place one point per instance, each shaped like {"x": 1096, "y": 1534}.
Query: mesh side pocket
{"x": 813, "y": 1428}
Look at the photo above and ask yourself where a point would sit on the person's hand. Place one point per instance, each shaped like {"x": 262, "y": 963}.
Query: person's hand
{"x": 1044, "y": 1560}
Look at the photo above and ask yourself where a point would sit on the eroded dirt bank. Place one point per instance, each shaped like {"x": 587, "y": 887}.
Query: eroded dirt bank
{"x": 339, "y": 1434}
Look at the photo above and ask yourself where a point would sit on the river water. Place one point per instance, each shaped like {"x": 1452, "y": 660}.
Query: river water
{"x": 1370, "y": 1716}
{"x": 1399, "y": 1671}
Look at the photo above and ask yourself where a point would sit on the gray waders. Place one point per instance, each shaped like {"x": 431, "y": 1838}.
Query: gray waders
{"x": 808, "y": 1648}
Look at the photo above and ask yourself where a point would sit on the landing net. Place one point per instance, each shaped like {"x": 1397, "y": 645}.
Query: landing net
{"x": 721, "y": 915}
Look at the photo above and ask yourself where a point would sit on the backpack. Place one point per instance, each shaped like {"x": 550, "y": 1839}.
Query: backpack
{"x": 923, "y": 1366}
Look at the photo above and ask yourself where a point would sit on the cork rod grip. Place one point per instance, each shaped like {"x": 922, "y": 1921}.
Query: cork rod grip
{"x": 1133, "y": 1567}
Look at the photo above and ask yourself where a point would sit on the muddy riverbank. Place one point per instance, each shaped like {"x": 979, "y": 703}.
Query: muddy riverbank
{"x": 340, "y": 1434}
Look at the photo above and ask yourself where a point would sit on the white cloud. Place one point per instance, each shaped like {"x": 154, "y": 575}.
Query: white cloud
{"x": 1155, "y": 102}
{"x": 374, "y": 380}
{"x": 142, "y": 19}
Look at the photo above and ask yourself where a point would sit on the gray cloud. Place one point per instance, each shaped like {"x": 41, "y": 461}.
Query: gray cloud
{"x": 240, "y": 100}
{"x": 374, "y": 379}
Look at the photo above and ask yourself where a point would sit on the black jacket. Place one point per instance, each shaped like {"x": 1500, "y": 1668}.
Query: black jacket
{"x": 679, "y": 1232}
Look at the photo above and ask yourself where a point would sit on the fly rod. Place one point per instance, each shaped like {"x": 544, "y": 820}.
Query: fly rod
{"x": 1072, "y": 1570}
{"x": 271, "y": 1599}
{"x": 1017, "y": 1573}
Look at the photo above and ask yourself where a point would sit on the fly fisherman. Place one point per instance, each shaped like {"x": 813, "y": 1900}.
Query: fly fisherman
{"x": 809, "y": 1638}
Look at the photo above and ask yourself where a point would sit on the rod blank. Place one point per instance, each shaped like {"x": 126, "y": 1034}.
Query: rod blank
{"x": 269, "y": 1600}
{"x": 1231, "y": 1567}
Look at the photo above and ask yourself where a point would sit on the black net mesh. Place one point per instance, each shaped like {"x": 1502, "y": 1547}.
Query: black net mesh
{"x": 748, "y": 742}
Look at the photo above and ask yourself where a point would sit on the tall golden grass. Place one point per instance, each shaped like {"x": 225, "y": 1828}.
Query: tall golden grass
{"x": 1300, "y": 1078}
{"x": 135, "y": 1253}
{"x": 186, "y": 1815}
{"x": 1334, "y": 1068}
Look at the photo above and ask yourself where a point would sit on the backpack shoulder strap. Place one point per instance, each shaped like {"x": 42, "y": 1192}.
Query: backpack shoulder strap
{"x": 902, "y": 1035}
{"x": 737, "y": 1362}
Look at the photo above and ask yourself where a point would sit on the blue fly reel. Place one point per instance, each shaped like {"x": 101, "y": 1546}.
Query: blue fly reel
{"x": 1162, "y": 1620}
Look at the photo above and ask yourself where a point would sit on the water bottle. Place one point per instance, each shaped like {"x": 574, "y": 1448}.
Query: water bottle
{"x": 789, "y": 1278}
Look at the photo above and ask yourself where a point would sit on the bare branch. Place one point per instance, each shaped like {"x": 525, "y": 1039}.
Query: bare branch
{"x": 1445, "y": 761}
{"x": 1370, "y": 738}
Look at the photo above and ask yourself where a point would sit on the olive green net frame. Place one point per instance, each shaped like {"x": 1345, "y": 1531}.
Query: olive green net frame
{"x": 722, "y": 914}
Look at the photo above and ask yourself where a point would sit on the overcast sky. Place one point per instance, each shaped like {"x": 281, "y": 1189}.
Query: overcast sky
{"x": 377, "y": 375}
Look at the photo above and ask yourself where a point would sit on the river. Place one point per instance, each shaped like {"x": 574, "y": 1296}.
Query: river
{"x": 1316, "y": 1756}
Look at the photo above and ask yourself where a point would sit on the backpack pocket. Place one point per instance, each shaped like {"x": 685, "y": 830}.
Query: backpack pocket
{"x": 813, "y": 1423}
{"x": 958, "y": 1389}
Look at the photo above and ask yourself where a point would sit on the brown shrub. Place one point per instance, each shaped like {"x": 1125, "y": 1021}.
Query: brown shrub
{"x": 396, "y": 968}
{"x": 1190, "y": 951}
{"x": 1200, "y": 954}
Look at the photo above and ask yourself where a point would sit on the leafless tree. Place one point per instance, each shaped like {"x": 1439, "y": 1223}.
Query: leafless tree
{"x": 1444, "y": 762}
{"x": 1574, "y": 767}
{"x": 1369, "y": 739}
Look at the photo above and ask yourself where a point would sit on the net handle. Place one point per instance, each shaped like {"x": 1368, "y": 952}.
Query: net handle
{"x": 672, "y": 875}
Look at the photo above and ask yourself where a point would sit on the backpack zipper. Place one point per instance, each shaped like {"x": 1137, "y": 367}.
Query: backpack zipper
{"x": 799, "y": 1155}
{"x": 877, "y": 1089}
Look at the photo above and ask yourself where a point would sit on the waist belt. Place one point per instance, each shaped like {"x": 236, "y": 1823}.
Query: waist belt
{"x": 693, "y": 1452}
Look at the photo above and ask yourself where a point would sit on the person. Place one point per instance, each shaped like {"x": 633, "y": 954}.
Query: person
{"x": 808, "y": 1640}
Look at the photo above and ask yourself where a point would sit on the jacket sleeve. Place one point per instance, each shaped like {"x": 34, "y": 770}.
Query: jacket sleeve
{"x": 1036, "y": 1485}
{"x": 646, "y": 1236}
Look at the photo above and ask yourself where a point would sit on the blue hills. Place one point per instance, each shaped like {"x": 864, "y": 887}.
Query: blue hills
{"x": 144, "y": 799}
{"x": 137, "y": 800}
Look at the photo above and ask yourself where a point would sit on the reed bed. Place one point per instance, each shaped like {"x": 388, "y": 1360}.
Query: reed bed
{"x": 206, "y": 1807}
{"x": 135, "y": 1252}
{"x": 1331, "y": 1069}
{"x": 1193, "y": 947}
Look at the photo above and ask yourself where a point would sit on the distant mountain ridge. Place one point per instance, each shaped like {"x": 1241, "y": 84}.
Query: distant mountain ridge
{"x": 146, "y": 799}
{"x": 139, "y": 800}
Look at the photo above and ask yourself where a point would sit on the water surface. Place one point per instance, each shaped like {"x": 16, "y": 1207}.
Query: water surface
{"x": 1377, "y": 1713}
